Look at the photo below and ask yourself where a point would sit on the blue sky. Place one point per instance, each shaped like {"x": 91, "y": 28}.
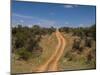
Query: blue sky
{"x": 47, "y": 14}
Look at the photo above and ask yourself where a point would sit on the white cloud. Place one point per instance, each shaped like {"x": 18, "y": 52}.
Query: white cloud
{"x": 21, "y": 21}
{"x": 41, "y": 22}
{"x": 68, "y": 6}
{"x": 66, "y": 23}
{"x": 22, "y": 16}
{"x": 81, "y": 25}
{"x": 30, "y": 25}
{"x": 85, "y": 25}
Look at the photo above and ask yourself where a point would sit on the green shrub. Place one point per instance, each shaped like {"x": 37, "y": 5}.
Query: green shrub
{"x": 24, "y": 54}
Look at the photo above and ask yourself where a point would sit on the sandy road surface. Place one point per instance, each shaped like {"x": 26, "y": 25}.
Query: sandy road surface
{"x": 51, "y": 63}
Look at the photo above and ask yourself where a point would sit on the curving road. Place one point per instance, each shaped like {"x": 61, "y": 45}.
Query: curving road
{"x": 51, "y": 63}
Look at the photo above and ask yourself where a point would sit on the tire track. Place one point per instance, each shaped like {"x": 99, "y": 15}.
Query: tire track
{"x": 51, "y": 64}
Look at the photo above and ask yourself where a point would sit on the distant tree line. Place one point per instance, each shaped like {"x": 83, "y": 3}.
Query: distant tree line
{"x": 25, "y": 40}
{"x": 81, "y": 31}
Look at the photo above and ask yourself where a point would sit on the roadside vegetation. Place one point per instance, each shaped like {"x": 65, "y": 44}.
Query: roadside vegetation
{"x": 80, "y": 52}
{"x": 31, "y": 47}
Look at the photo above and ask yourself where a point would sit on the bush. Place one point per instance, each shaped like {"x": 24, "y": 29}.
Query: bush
{"x": 88, "y": 42}
{"x": 89, "y": 57}
{"x": 24, "y": 54}
{"x": 76, "y": 44}
{"x": 26, "y": 40}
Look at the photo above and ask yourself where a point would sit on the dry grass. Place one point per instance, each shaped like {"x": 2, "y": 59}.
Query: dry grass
{"x": 48, "y": 44}
{"x": 73, "y": 60}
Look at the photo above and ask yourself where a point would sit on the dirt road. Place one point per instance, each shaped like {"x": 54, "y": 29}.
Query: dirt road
{"x": 51, "y": 64}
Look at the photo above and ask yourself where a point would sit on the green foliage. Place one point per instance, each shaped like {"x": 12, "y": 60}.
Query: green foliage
{"x": 65, "y": 29}
{"x": 81, "y": 31}
{"x": 24, "y": 54}
{"x": 28, "y": 38}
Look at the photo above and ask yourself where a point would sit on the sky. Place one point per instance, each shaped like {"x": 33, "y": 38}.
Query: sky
{"x": 52, "y": 14}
